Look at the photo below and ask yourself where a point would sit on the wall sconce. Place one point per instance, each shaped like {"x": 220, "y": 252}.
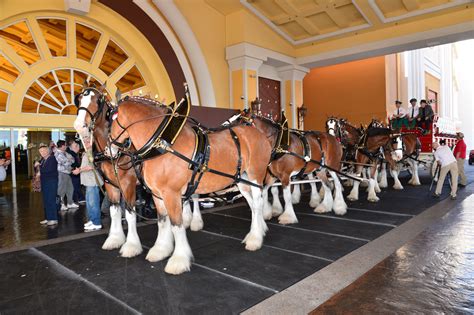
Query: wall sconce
{"x": 301, "y": 111}
{"x": 253, "y": 76}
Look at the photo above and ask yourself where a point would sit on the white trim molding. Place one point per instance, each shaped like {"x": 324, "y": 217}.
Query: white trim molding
{"x": 174, "y": 42}
{"x": 384, "y": 19}
{"x": 193, "y": 51}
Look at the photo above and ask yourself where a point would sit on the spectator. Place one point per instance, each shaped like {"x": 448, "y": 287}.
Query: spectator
{"x": 425, "y": 117}
{"x": 92, "y": 181}
{"x": 399, "y": 116}
{"x": 65, "y": 187}
{"x": 3, "y": 169}
{"x": 52, "y": 146}
{"x": 73, "y": 150}
{"x": 445, "y": 158}
{"x": 460, "y": 155}
{"x": 48, "y": 173}
{"x": 412, "y": 114}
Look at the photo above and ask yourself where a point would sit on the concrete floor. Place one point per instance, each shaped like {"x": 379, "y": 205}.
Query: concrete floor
{"x": 73, "y": 273}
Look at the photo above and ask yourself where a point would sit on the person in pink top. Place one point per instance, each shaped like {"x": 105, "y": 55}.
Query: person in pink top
{"x": 460, "y": 155}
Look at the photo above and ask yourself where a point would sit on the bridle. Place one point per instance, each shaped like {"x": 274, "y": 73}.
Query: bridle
{"x": 101, "y": 102}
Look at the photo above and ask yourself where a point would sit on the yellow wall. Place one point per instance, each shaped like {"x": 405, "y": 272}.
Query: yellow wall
{"x": 237, "y": 89}
{"x": 287, "y": 101}
{"x": 353, "y": 90}
{"x": 209, "y": 27}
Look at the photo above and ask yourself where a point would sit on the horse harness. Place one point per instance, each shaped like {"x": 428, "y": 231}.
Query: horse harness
{"x": 164, "y": 137}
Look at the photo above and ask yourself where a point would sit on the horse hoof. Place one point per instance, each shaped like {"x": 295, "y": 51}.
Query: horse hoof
{"x": 113, "y": 242}
{"x": 373, "y": 199}
{"x": 352, "y": 198}
{"x": 177, "y": 265}
{"x": 340, "y": 208}
{"x": 321, "y": 209}
{"x": 253, "y": 242}
{"x": 197, "y": 225}
{"x": 314, "y": 203}
{"x": 398, "y": 187}
{"x": 157, "y": 253}
{"x": 287, "y": 219}
{"x": 129, "y": 250}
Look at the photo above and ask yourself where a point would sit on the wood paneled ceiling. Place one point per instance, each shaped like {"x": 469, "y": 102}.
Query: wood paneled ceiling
{"x": 303, "y": 21}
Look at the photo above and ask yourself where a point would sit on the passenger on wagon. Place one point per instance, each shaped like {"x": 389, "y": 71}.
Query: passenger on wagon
{"x": 445, "y": 158}
{"x": 399, "y": 116}
{"x": 460, "y": 155}
{"x": 425, "y": 117}
{"x": 48, "y": 173}
{"x": 412, "y": 114}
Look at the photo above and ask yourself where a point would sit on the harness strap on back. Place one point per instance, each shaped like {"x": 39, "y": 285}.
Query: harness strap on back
{"x": 239, "y": 154}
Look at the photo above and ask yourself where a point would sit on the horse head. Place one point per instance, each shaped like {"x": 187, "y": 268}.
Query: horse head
{"x": 332, "y": 126}
{"x": 90, "y": 104}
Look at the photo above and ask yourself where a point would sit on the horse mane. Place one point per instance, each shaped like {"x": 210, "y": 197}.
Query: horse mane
{"x": 144, "y": 101}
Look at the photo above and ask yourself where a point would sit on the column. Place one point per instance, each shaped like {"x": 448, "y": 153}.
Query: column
{"x": 243, "y": 72}
{"x": 292, "y": 91}
{"x": 13, "y": 157}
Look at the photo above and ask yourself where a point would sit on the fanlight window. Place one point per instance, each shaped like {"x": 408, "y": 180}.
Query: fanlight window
{"x": 53, "y": 92}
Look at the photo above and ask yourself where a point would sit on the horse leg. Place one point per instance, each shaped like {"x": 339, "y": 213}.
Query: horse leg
{"x": 296, "y": 195}
{"x": 187, "y": 214}
{"x": 364, "y": 176}
{"x": 288, "y": 216}
{"x": 372, "y": 196}
{"x": 415, "y": 180}
{"x": 116, "y": 236}
{"x": 180, "y": 261}
{"x": 377, "y": 187}
{"x": 327, "y": 203}
{"x": 394, "y": 172}
{"x": 315, "y": 199}
{"x": 383, "y": 176}
{"x": 267, "y": 207}
{"x": 354, "y": 194}
{"x": 339, "y": 206}
{"x": 277, "y": 208}
{"x": 163, "y": 246}
{"x": 133, "y": 246}
{"x": 196, "y": 223}
{"x": 254, "y": 239}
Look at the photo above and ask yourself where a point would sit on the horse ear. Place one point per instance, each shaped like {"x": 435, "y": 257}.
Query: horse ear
{"x": 103, "y": 87}
{"x": 118, "y": 96}
{"x": 85, "y": 84}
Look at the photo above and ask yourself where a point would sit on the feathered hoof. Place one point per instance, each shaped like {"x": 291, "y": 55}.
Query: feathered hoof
{"x": 253, "y": 242}
{"x": 276, "y": 212}
{"x": 178, "y": 264}
{"x": 340, "y": 208}
{"x": 158, "y": 253}
{"x": 287, "y": 219}
{"x": 113, "y": 242}
{"x": 313, "y": 203}
{"x": 130, "y": 249}
{"x": 373, "y": 199}
{"x": 352, "y": 198}
{"x": 197, "y": 225}
{"x": 398, "y": 187}
{"x": 322, "y": 209}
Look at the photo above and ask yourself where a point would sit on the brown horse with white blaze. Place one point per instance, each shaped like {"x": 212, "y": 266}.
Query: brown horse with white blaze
{"x": 368, "y": 151}
{"x": 411, "y": 150}
{"x": 92, "y": 123}
{"x": 168, "y": 175}
{"x": 319, "y": 145}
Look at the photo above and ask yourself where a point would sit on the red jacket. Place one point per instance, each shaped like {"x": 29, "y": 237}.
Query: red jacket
{"x": 461, "y": 149}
